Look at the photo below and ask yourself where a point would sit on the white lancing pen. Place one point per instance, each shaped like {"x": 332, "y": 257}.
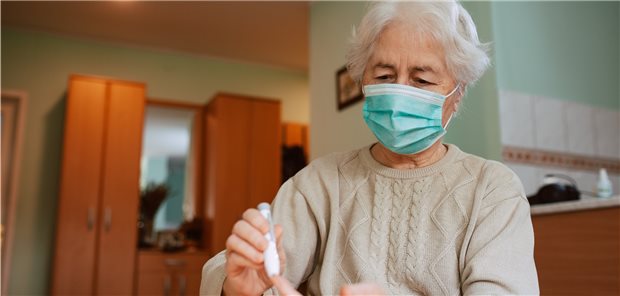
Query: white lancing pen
{"x": 271, "y": 258}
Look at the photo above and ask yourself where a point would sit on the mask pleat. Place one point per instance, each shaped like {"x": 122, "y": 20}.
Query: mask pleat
{"x": 403, "y": 118}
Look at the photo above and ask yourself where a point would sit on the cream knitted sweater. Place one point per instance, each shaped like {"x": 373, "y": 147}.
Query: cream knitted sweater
{"x": 459, "y": 226}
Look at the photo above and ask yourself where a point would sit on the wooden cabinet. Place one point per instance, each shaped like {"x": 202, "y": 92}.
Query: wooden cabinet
{"x": 243, "y": 160}
{"x": 99, "y": 191}
{"x": 169, "y": 274}
{"x": 578, "y": 253}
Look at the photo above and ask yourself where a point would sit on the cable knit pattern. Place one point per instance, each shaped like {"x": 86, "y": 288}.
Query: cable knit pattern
{"x": 459, "y": 226}
{"x": 380, "y": 212}
{"x": 416, "y": 236}
{"x": 401, "y": 198}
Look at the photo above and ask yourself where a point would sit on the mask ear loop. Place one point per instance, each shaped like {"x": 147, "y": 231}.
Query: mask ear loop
{"x": 445, "y": 127}
{"x": 454, "y": 90}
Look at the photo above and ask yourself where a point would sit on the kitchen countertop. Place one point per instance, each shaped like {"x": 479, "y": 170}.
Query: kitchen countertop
{"x": 585, "y": 203}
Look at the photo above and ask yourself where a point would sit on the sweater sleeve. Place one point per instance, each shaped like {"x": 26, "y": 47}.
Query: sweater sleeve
{"x": 300, "y": 238}
{"x": 500, "y": 255}
{"x": 292, "y": 211}
{"x": 213, "y": 275}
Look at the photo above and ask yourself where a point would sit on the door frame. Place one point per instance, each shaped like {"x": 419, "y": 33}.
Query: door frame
{"x": 13, "y": 107}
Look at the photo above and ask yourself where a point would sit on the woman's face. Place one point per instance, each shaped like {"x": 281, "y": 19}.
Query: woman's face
{"x": 400, "y": 57}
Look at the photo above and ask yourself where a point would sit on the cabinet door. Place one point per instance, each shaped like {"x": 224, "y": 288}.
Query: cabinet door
{"x": 231, "y": 166}
{"x": 189, "y": 283}
{"x": 74, "y": 257}
{"x": 578, "y": 253}
{"x": 170, "y": 274}
{"x": 120, "y": 195}
{"x": 265, "y": 152}
{"x": 180, "y": 283}
{"x": 159, "y": 283}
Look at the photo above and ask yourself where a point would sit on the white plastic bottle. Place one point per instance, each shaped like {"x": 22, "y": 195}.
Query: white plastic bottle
{"x": 604, "y": 185}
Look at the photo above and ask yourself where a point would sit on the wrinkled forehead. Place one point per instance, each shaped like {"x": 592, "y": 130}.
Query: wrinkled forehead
{"x": 404, "y": 45}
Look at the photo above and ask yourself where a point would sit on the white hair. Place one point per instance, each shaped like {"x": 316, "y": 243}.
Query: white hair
{"x": 446, "y": 22}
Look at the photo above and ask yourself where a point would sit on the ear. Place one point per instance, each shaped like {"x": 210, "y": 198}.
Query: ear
{"x": 458, "y": 96}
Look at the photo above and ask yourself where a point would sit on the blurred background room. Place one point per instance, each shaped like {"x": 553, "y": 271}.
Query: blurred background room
{"x": 134, "y": 134}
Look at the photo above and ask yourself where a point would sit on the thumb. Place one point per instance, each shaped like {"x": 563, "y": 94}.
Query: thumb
{"x": 284, "y": 286}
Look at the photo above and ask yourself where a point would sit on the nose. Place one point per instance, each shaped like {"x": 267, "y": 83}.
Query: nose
{"x": 402, "y": 79}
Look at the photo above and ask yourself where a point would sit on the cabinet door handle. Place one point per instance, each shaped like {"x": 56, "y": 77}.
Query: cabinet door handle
{"x": 90, "y": 218}
{"x": 167, "y": 285}
{"x": 107, "y": 219}
{"x": 182, "y": 285}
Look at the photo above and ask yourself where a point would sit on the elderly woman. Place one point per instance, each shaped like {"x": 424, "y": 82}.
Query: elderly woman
{"x": 410, "y": 214}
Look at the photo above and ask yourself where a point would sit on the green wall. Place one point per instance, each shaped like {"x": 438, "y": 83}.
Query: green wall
{"x": 475, "y": 130}
{"x": 331, "y": 24}
{"x": 40, "y": 64}
{"x": 564, "y": 50}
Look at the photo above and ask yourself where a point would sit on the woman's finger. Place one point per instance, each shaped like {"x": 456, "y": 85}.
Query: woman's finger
{"x": 250, "y": 234}
{"x": 254, "y": 217}
{"x": 239, "y": 246}
{"x": 278, "y": 229}
{"x": 281, "y": 253}
{"x": 361, "y": 289}
{"x": 235, "y": 260}
{"x": 284, "y": 286}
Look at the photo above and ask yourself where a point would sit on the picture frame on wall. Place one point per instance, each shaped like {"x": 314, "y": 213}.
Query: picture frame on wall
{"x": 348, "y": 92}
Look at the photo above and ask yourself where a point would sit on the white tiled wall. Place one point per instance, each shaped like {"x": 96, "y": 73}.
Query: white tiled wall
{"x": 550, "y": 128}
{"x": 607, "y": 133}
{"x": 580, "y": 127}
{"x": 516, "y": 129}
{"x": 538, "y": 122}
{"x": 546, "y": 123}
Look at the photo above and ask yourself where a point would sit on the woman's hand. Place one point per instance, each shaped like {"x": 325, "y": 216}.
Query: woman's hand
{"x": 245, "y": 271}
{"x": 285, "y": 288}
{"x": 362, "y": 289}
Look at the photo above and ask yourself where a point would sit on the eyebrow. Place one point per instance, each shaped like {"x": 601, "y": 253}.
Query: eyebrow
{"x": 384, "y": 65}
{"x": 422, "y": 68}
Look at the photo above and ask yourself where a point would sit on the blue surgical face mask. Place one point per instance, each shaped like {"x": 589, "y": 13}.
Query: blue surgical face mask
{"x": 405, "y": 119}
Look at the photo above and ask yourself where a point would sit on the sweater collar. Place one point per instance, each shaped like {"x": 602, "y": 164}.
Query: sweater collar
{"x": 369, "y": 161}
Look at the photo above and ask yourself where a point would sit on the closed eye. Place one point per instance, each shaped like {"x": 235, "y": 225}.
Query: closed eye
{"x": 423, "y": 82}
{"x": 384, "y": 77}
